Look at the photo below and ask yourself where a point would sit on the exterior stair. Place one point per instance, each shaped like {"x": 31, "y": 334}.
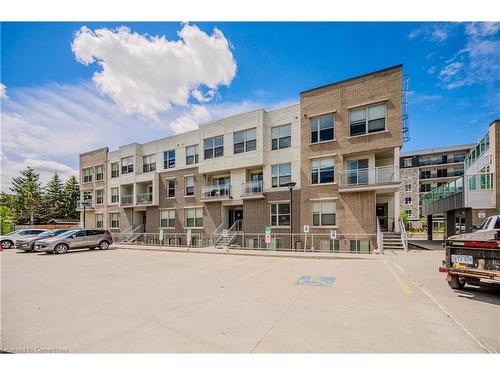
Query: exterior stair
{"x": 392, "y": 241}
{"x": 233, "y": 231}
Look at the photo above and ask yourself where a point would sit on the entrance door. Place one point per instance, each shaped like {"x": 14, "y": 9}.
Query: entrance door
{"x": 235, "y": 214}
{"x": 381, "y": 212}
{"x": 143, "y": 221}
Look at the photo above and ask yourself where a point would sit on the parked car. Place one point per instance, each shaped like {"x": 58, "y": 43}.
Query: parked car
{"x": 76, "y": 239}
{"x": 10, "y": 239}
{"x": 27, "y": 243}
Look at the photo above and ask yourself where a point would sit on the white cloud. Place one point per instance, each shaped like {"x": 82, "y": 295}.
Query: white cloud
{"x": 481, "y": 29}
{"x": 432, "y": 32}
{"x": 149, "y": 75}
{"x": 3, "y": 91}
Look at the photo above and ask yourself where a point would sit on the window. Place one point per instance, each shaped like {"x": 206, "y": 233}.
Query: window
{"x": 407, "y": 162}
{"x": 281, "y": 174}
{"x": 189, "y": 182}
{"x": 167, "y": 218}
{"x": 114, "y": 218}
{"x": 99, "y": 196}
{"x": 245, "y": 140}
{"x": 87, "y": 196}
{"x": 192, "y": 155}
{"x": 407, "y": 200}
{"x": 281, "y": 137}
{"x": 407, "y": 174}
{"x": 324, "y": 213}
{"x": 408, "y": 212}
{"x": 148, "y": 163}
{"x": 322, "y": 128}
{"x": 87, "y": 175}
{"x": 425, "y": 188}
{"x": 170, "y": 188}
{"x": 360, "y": 246}
{"x": 357, "y": 172}
{"x": 114, "y": 170}
{"x": 169, "y": 159}
{"x": 280, "y": 214}
{"x": 367, "y": 120}
{"x": 408, "y": 187}
{"x": 194, "y": 217}
{"x": 114, "y": 195}
{"x": 214, "y": 147}
{"x": 99, "y": 220}
{"x": 128, "y": 165}
{"x": 322, "y": 171}
{"x": 99, "y": 172}
{"x": 425, "y": 174}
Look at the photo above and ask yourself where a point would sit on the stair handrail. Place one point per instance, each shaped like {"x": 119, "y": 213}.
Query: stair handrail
{"x": 235, "y": 224}
{"x": 218, "y": 233}
{"x": 404, "y": 236}
{"x": 380, "y": 238}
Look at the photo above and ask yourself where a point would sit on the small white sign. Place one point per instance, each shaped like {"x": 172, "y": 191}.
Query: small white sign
{"x": 225, "y": 233}
{"x": 482, "y": 214}
{"x": 160, "y": 237}
{"x": 306, "y": 228}
{"x": 268, "y": 238}
{"x": 333, "y": 234}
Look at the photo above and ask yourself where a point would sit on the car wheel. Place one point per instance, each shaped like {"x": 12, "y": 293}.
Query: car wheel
{"x": 7, "y": 244}
{"x": 456, "y": 282}
{"x": 104, "y": 245}
{"x": 61, "y": 248}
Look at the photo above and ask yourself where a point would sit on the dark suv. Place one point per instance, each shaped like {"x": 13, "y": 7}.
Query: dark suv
{"x": 76, "y": 239}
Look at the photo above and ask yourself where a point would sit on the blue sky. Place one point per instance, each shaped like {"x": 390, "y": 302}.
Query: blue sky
{"x": 50, "y": 88}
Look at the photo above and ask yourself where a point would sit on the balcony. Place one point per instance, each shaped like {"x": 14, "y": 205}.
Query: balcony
{"x": 144, "y": 199}
{"x": 127, "y": 200}
{"x": 378, "y": 178}
{"x": 84, "y": 202}
{"x": 252, "y": 189}
{"x": 215, "y": 192}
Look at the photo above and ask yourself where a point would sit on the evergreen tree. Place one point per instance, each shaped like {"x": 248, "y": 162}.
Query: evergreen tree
{"x": 71, "y": 195}
{"x": 7, "y": 216}
{"x": 53, "y": 199}
{"x": 27, "y": 191}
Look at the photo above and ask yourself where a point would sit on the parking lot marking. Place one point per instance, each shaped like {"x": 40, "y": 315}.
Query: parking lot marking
{"x": 307, "y": 280}
{"x": 262, "y": 270}
{"x": 405, "y": 288}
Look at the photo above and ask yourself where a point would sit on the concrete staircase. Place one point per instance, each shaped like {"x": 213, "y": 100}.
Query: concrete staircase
{"x": 392, "y": 241}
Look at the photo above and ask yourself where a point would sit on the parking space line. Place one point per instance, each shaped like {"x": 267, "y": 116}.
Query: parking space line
{"x": 405, "y": 288}
{"x": 262, "y": 270}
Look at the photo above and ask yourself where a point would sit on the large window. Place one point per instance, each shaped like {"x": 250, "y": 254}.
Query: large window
{"x": 167, "y": 218}
{"x": 408, "y": 162}
{"x": 281, "y": 174}
{"x": 189, "y": 182}
{"x": 281, "y": 137}
{"x": 322, "y": 128}
{"x": 214, "y": 147}
{"x": 99, "y": 172}
{"x": 99, "y": 196}
{"x": 194, "y": 217}
{"x": 367, "y": 120}
{"x": 245, "y": 140}
{"x": 169, "y": 159}
{"x": 99, "y": 220}
{"x": 87, "y": 175}
{"x": 324, "y": 213}
{"x": 114, "y": 195}
{"x": 170, "y": 188}
{"x": 322, "y": 171}
{"x": 148, "y": 163}
{"x": 280, "y": 214}
{"x": 114, "y": 218}
{"x": 87, "y": 196}
{"x": 128, "y": 165}
{"x": 115, "y": 170}
{"x": 192, "y": 155}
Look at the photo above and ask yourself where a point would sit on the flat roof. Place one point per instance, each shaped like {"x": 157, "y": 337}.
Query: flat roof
{"x": 438, "y": 150}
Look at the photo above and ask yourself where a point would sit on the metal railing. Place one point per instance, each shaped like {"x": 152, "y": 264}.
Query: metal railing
{"x": 404, "y": 236}
{"x": 216, "y": 191}
{"x": 380, "y": 238}
{"x": 444, "y": 191}
{"x": 252, "y": 188}
{"x": 127, "y": 200}
{"x": 144, "y": 198}
{"x": 368, "y": 176}
{"x": 87, "y": 202}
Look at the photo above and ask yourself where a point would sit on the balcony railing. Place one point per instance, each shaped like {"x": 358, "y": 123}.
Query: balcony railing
{"x": 252, "y": 188}
{"x": 368, "y": 176}
{"x": 145, "y": 198}
{"x": 216, "y": 191}
{"x": 444, "y": 191}
{"x": 84, "y": 202}
{"x": 127, "y": 200}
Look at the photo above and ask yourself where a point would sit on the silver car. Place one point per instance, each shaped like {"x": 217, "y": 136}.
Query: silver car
{"x": 10, "y": 239}
{"x": 76, "y": 239}
{"x": 28, "y": 243}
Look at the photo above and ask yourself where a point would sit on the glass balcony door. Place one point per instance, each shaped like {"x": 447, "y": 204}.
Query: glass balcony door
{"x": 357, "y": 172}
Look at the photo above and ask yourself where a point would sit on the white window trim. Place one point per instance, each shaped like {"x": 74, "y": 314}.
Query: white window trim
{"x": 320, "y": 213}
{"x": 277, "y": 215}
{"x": 333, "y": 127}
{"x": 319, "y": 171}
{"x": 175, "y": 217}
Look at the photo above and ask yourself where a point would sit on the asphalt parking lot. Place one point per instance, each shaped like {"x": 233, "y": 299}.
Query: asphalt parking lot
{"x": 156, "y": 301}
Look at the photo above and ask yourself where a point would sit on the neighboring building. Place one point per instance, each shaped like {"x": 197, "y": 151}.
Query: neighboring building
{"x": 467, "y": 200}
{"x": 425, "y": 170}
{"x": 339, "y": 145}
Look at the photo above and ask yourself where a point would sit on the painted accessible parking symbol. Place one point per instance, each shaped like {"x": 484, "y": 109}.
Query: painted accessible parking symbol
{"x": 308, "y": 280}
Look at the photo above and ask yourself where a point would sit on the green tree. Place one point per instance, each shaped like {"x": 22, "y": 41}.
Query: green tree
{"x": 7, "y": 216}
{"x": 28, "y": 193}
{"x": 71, "y": 195}
{"x": 405, "y": 217}
{"x": 53, "y": 199}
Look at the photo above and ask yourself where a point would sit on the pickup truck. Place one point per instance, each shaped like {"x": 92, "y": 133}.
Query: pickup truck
{"x": 472, "y": 257}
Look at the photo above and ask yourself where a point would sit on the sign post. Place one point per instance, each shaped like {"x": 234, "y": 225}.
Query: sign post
{"x": 307, "y": 228}
{"x": 160, "y": 237}
{"x": 188, "y": 237}
{"x": 268, "y": 241}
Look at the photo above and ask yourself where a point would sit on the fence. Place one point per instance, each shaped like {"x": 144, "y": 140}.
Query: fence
{"x": 344, "y": 243}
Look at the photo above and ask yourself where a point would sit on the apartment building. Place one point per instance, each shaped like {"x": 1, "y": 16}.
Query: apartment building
{"x": 329, "y": 161}
{"x": 468, "y": 199}
{"x": 425, "y": 170}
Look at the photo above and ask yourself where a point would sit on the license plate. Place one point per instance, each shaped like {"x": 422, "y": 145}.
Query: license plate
{"x": 465, "y": 259}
